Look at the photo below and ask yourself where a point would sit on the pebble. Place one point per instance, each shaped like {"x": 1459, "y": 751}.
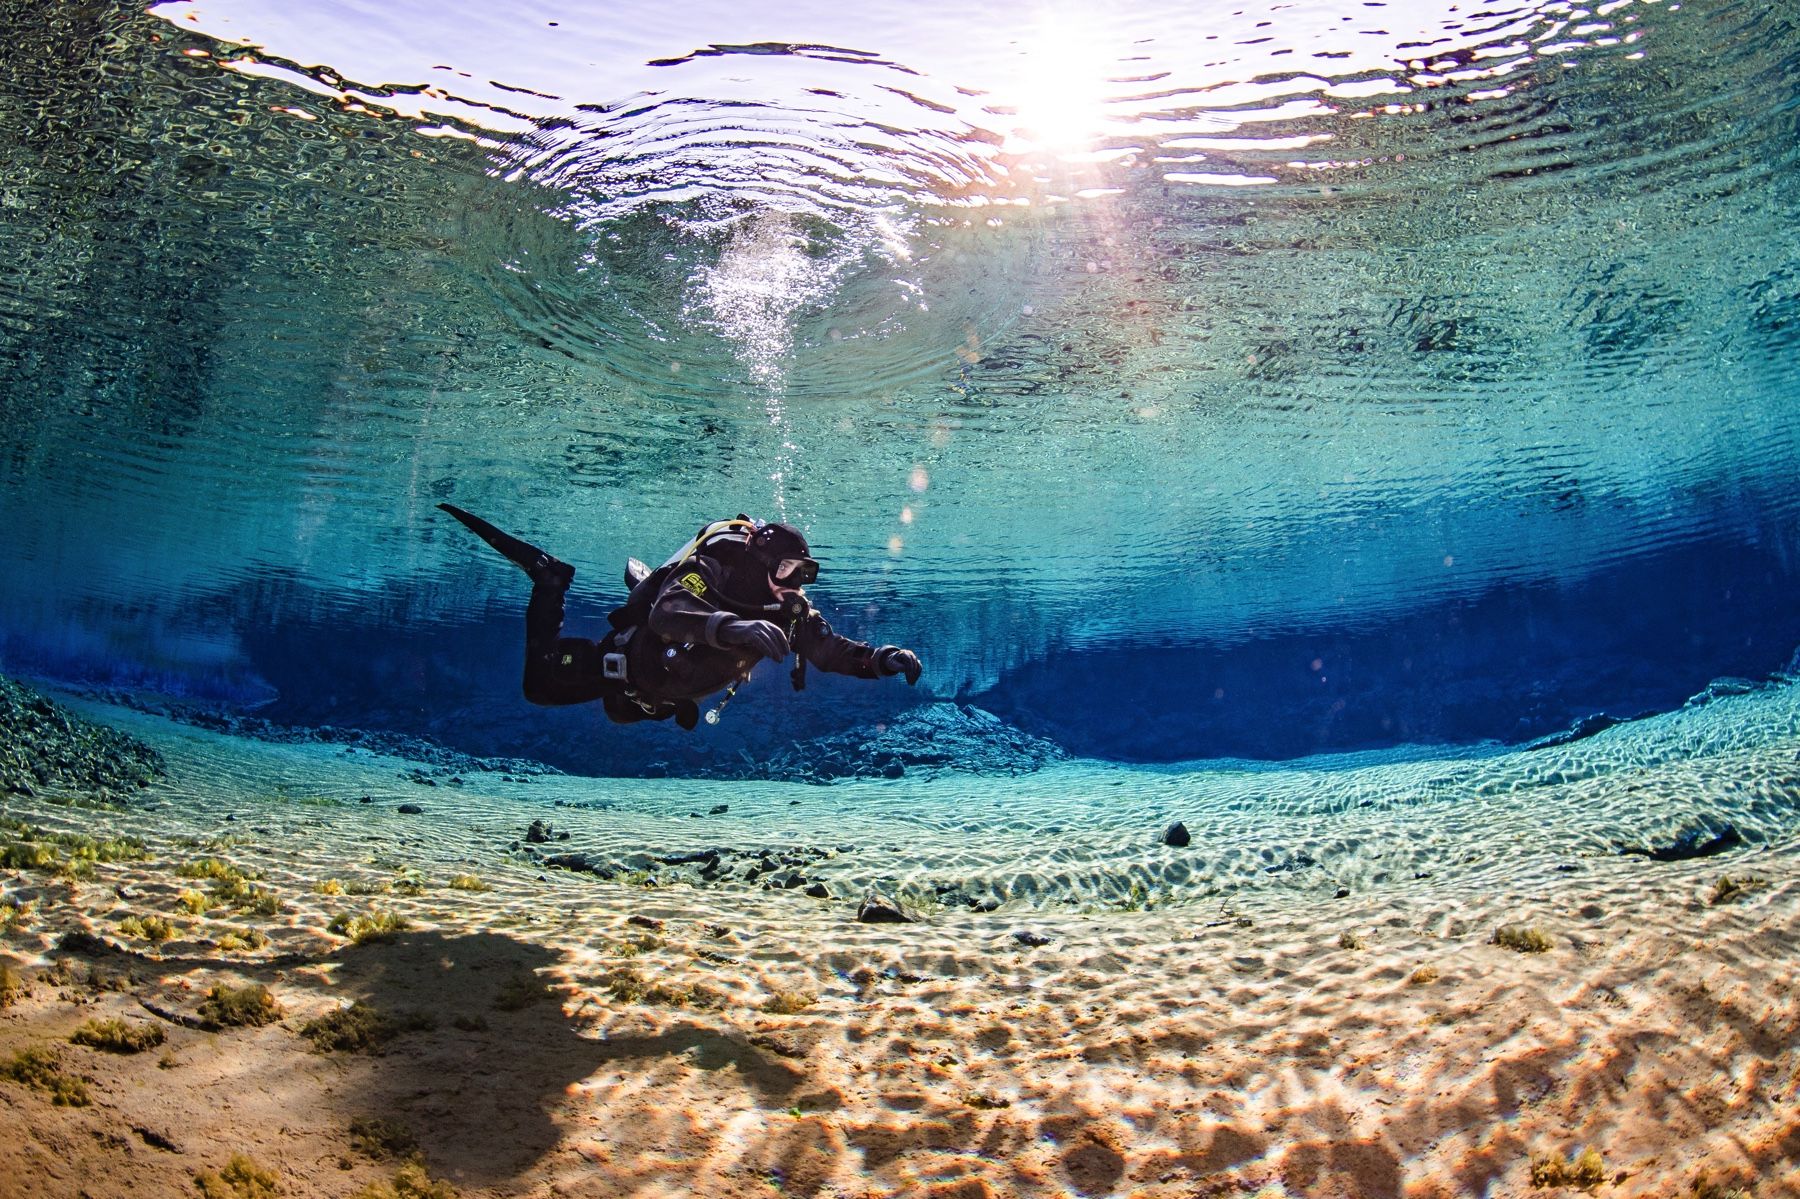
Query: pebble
{"x": 1177, "y": 835}
{"x": 411, "y": 809}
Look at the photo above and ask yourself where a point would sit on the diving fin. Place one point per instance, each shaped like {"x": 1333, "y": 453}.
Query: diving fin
{"x": 527, "y": 557}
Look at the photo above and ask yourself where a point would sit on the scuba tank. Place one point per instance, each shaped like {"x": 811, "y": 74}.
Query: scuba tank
{"x": 645, "y": 583}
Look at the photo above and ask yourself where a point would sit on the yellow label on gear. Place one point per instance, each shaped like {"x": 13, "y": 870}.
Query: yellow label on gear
{"x": 693, "y": 583}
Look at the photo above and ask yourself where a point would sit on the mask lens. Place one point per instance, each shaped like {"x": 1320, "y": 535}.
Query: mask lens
{"x": 796, "y": 570}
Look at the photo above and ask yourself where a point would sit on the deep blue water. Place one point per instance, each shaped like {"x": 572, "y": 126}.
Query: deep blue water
{"x": 1213, "y": 382}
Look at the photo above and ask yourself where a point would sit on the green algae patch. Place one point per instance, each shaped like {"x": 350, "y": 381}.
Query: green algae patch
{"x": 228, "y": 1006}
{"x": 12, "y": 986}
{"x": 1732, "y": 887}
{"x": 156, "y": 929}
{"x": 28, "y": 855}
{"x": 1706, "y": 1187}
{"x": 13, "y": 915}
{"x": 118, "y": 1036}
{"x": 381, "y": 1139}
{"x": 70, "y": 855}
{"x": 788, "y": 1003}
{"x": 520, "y": 992}
{"x": 40, "y": 1068}
{"x": 213, "y": 868}
{"x": 194, "y": 903}
{"x": 242, "y": 1178}
{"x": 629, "y": 986}
{"x": 242, "y": 939}
{"x": 1584, "y": 1171}
{"x": 371, "y": 926}
{"x": 362, "y": 1028}
{"x": 411, "y": 1181}
{"x": 1522, "y": 938}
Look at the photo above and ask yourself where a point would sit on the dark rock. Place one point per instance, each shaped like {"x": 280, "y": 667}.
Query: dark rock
{"x": 930, "y": 739}
{"x": 411, "y": 809}
{"x": 538, "y": 833}
{"x": 1027, "y": 937}
{"x": 1177, "y": 835}
{"x": 1343, "y": 893}
{"x": 578, "y": 862}
{"x": 719, "y": 809}
{"x": 985, "y": 903}
{"x": 562, "y": 836}
{"x": 366, "y": 799}
{"x": 157, "y": 1139}
{"x": 684, "y": 859}
{"x": 879, "y": 909}
{"x": 1581, "y": 730}
{"x": 1299, "y": 861}
{"x": 649, "y": 922}
{"x": 819, "y": 891}
{"x": 1697, "y": 842}
{"x": 1723, "y": 688}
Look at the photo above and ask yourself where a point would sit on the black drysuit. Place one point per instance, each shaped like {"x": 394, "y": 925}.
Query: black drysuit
{"x": 666, "y": 639}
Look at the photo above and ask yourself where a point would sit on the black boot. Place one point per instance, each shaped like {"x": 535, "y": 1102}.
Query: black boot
{"x": 541, "y": 567}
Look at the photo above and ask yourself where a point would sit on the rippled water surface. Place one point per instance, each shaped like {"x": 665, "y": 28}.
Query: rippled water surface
{"x": 1063, "y": 331}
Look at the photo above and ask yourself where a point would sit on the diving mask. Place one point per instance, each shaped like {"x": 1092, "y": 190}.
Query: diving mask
{"x": 795, "y": 572}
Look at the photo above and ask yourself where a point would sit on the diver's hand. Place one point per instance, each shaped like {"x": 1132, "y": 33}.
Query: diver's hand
{"x": 759, "y": 635}
{"x": 891, "y": 659}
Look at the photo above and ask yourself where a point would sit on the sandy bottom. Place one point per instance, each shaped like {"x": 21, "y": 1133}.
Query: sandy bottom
{"x": 1305, "y": 1001}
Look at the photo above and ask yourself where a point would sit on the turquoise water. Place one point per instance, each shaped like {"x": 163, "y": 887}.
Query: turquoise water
{"x": 1198, "y": 382}
{"x": 1361, "y": 434}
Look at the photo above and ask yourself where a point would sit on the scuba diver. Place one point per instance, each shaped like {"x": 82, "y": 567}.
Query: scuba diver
{"x": 697, "y": 624}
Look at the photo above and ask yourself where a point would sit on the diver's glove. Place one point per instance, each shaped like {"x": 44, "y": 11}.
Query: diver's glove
{"x": 759, "y": 635}
{"x": 891, "y": 659}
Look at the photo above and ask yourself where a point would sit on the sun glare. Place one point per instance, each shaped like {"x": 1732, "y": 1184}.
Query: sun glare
{"x": 1059, "y": 91}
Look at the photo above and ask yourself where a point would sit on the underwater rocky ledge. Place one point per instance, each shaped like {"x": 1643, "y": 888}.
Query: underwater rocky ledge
{"x": 923, "y": 741}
